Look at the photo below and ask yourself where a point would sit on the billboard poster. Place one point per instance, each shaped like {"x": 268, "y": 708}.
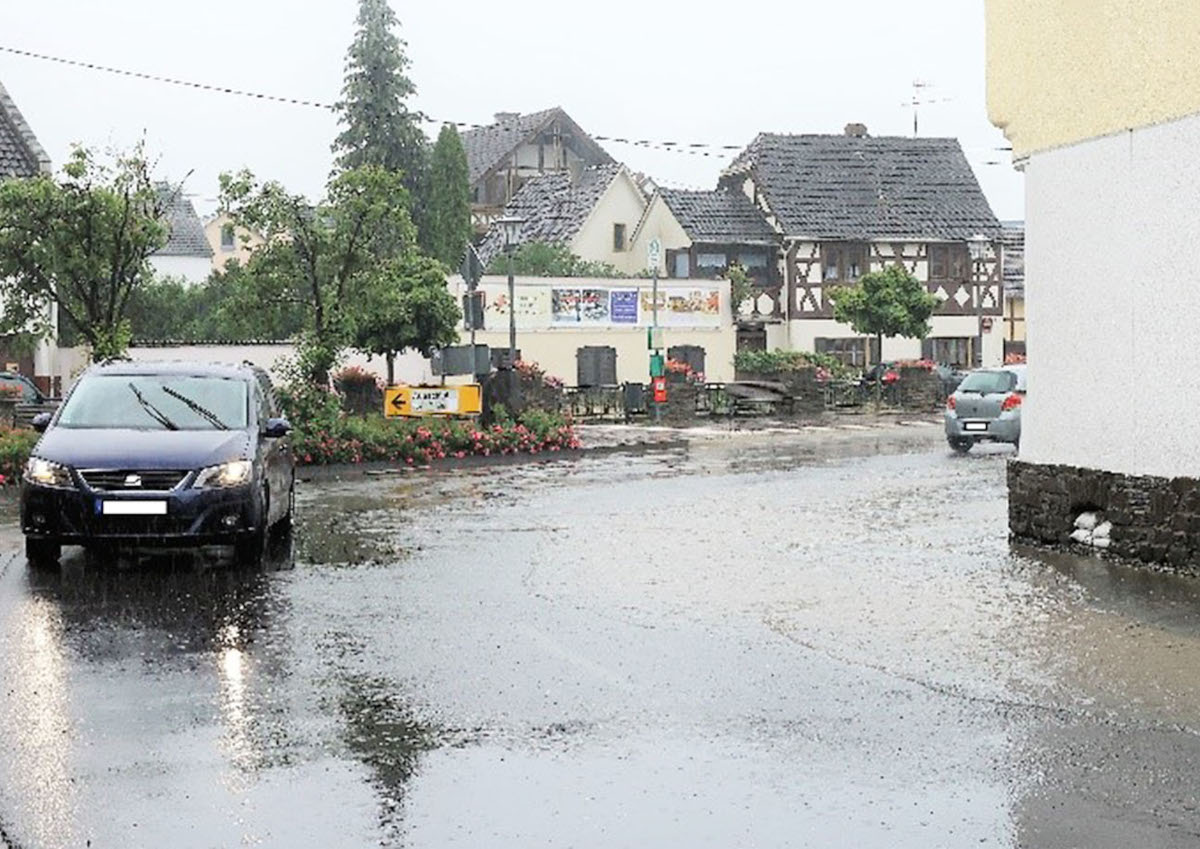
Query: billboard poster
{"x": 579, "y": 306}
{"x": 679, "y": 306}
{"x": 533, "y": 307}
{"x": 623, "y": 306}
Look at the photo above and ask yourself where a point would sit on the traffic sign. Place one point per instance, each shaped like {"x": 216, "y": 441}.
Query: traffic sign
{"x": 654, "y": 253}
{"x": 421, "y": 401}
{"x": 472, "y": 268}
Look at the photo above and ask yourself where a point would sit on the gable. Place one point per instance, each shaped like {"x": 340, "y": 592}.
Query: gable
{"x": 864, "y": 188}
{"x": 20, "y": 153}
{"x": 489, "y": 147}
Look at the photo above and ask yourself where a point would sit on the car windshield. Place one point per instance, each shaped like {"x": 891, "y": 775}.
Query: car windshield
{"x": 988, "y": 382}
{"x": 157, "y": 402}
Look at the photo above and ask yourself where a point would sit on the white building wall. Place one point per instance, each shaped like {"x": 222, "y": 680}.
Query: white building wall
{"x": 621, "y": 203}
{"x": 1113, "y": 302}
{"x": 658, "y": 223}
{"x": 411, "y": 368}
{"x": 193, "y": 270}
{"x": 802, "y": 336}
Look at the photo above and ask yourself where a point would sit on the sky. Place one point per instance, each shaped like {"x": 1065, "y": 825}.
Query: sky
{"x": 710, "y": 71}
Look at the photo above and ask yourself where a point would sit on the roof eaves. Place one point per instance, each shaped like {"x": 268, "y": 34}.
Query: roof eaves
{"x": 33, "y": 147}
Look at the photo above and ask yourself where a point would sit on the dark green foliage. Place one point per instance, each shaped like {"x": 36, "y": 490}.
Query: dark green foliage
{"x": 448, "y": 219}
{"x": 378, "y": 129}
{"x": 550, "y": 259}
{"x": 81, "y": 242}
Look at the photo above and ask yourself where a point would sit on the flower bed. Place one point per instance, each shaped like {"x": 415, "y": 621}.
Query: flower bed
{"x": 15, "y": 446}
{"x": 419, "y": 443}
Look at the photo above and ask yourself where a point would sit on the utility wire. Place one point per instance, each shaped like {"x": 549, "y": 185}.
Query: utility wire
{"x": 694, "y": 148}
{"x": 703, "y": 149}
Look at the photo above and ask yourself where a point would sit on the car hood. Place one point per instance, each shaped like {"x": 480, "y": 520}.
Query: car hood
{"x": 142, "y": 449}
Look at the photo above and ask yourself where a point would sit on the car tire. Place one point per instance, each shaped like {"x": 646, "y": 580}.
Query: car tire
{"x": 962, "y": 446}
{"x": 42, "y": 553}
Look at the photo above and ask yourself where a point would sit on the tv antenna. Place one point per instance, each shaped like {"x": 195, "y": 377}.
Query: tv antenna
{"x": 921, "y": 98}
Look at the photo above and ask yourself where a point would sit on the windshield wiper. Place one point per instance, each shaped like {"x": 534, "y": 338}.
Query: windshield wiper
{"x": 203, "y": 412}
{"x": 155, "y": 413}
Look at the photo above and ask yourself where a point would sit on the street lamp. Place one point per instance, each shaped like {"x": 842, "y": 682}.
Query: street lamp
{"x": 510, "y": 226}
{"x": 977, "y": 245}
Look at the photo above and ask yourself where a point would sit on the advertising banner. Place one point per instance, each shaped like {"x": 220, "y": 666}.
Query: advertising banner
{"x": 623, "y": 306}
{"x": 629, "y": 304}
{"x": 678, "y": 306}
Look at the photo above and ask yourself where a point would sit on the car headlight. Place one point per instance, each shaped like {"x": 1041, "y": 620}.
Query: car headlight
{"x": 44, "y": 473}
{"x": 234, "y": 473}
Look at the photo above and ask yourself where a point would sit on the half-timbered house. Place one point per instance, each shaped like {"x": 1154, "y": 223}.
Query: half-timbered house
{"x": 502, "y": 156}
{"x": 850, "y": 204}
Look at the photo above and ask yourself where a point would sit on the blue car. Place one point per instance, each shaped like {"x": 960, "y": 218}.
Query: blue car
{"x": 160, "y": 454}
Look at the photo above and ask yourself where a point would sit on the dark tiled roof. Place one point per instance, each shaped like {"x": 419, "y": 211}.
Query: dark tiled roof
{"x": 487, "y": 146}
{"x": 554, "y": 207}
{"x": 850, "y": 187}
{"x": 20, "y": 153}
{"x": 1013, "y": 239}
{"x": 719, "y": 217}
{"x": 187, "y": 232}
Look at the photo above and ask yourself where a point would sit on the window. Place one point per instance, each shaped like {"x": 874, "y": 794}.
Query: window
{"x": 752, "y": 261}
{"x": 843, "y": 262}
{"x": 619, "y": 238}
{"x": 710, "y": 265}
{"x": 228, "y": 239}
{"x": 949, "y": 263}
{"x": 680, "y": 263}
{"x": 157, "y": 402}
{"x": 855, "y": 352}
{"x": 954, "y": 351}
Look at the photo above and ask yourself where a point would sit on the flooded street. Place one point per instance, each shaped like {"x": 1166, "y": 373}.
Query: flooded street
{"x": 768, "y": 640}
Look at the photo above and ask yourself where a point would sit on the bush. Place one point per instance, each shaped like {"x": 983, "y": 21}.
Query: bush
{"x": 15, "y": 447}
{"x": 420, "y": 442}
{"x": 361, "y": 391}
{"x": 778, "y": 361}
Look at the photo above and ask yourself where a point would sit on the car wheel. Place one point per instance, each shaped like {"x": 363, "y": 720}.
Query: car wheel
{"x": 42, "y": 553}
{"x": 962, "y": 446}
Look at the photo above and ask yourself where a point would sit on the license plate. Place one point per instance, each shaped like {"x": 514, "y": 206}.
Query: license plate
{"x": 134, "y": 508}
{"x": 975, "y": 427}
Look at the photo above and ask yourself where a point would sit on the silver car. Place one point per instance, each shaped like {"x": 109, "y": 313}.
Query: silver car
{"x": 986, "y": 407}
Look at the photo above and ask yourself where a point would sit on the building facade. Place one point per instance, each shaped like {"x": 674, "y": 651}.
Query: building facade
{"x": 501, "y": 157}
{"x": 1101, "y": 101}
{"x": 228, "y": 242}
{"x": 187, "y": 255}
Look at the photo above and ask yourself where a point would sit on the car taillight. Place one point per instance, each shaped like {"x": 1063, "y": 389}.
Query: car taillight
{"x": 1011, "y": 402}
{"x": 951, "y": 403}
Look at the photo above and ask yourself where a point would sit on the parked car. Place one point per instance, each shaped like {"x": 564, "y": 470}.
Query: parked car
{"x": 986, "y": 407}
{"x": 164, "y": 454}
{"x": 21, "y": 387}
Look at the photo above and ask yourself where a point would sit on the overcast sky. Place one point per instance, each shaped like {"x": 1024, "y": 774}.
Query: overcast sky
{"x": 713, "y": 71}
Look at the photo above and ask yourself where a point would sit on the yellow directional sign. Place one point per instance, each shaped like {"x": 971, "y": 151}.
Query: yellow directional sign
{"x": 417, "y": 401}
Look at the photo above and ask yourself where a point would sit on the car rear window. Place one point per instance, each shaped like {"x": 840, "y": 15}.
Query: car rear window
{"x": 988, "y": 382}
{"x": 157, "y": 402}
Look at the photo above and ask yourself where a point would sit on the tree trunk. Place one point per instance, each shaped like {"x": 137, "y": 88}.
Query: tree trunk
{"x": 391, "y": 365}
{"x": 879, "y": 375}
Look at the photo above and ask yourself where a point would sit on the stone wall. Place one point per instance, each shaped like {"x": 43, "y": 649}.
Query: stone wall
{"x": 1155, "y": 520}
{"x": 921, "y": 389}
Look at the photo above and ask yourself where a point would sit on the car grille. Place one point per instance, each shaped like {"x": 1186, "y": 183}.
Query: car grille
{"x": 111, "y": 480}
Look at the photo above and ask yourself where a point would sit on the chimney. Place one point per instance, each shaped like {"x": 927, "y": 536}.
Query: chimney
{"x": 858, "y": 131}
{"x": 507, "y": 117}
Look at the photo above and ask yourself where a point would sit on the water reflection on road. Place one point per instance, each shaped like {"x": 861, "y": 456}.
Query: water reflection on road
{"x": 764, "y": 640}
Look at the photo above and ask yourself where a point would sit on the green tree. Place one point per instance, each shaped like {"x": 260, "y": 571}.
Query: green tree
{"x": 448, "y": 217}
{"x": 80, "y": 243}
{"x": 327, "y": 259}
{"x": 741, "y": 287}
{"x": 378, "y": 128}
{"x": 550, "y": 259}
{"x": 410, "y": 307}
{"x": 885, "y": 304}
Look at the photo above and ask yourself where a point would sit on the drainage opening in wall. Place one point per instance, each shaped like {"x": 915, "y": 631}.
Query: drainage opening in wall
{"x": 1090, "y": 527}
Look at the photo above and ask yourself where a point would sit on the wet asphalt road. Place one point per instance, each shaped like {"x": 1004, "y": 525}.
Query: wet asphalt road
{"x": 760, "y": 641}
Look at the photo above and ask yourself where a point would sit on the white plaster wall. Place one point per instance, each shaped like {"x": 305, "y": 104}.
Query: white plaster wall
{"x": 621, "y": 203}
{"x": 410, "y": 368}
{"x": 802, "y": 336}
{"x": 194, "y": 270}
{"x": 1113, "y": 303}
{"x": 554, "y": 350}
{"x": 659, "y": 222}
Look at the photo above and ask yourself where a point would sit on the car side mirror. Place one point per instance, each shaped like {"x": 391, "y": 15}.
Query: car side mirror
{"x": 41, "y": 422}
{"x": 276, "y": 428}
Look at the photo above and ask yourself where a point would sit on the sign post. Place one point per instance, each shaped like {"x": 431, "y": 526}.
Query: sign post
{"x": 654, "y": 259}
{"x": 472, "y": 272}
